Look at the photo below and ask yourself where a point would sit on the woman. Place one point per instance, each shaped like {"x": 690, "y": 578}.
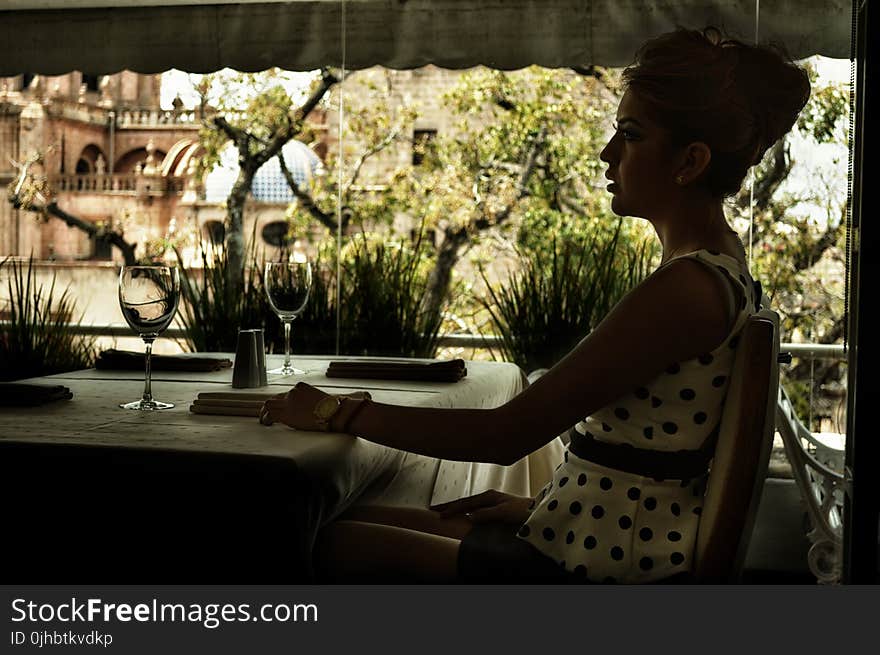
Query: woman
{"x": 647, "y": 383}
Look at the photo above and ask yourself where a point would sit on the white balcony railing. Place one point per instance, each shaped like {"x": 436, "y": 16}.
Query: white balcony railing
{"x": 117, "y": 183}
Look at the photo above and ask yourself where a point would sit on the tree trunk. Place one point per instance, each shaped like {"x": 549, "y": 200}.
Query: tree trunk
{"x": 448, "y": 253}
{"x": 235, "y": 260}
{"x": 441, "y": 274}
{"x": 249, "y": 164}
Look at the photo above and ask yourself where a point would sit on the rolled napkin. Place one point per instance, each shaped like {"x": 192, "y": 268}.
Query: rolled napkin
{"x": 124, "y": 360}
{"x": 451, "y": 370}
{"x": 15, "y": 394}
{"x": 230, "y": 404}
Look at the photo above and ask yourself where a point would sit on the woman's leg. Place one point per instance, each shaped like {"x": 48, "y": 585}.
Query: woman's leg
{"x": 414, "y": 518}
{"x": 390, "y": 544}
{"x": 356, "y": 551}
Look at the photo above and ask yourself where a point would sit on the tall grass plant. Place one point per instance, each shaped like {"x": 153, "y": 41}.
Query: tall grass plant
{"x": 560, "y": 294}
{"x": 36, "y": 338}
{"x": 212, "y": 309}
{"x": 384, "y": 283}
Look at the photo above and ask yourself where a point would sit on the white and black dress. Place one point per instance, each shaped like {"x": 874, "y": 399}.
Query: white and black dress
{"x": 634, "y": 518}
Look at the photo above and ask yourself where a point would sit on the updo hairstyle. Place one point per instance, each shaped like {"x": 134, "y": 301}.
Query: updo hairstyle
{"x": 738, "y": 99}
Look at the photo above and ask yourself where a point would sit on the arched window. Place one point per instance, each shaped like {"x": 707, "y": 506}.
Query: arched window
{"x": 88, "y": 160}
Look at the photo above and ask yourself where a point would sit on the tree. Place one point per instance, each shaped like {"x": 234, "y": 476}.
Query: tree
{"x": 258, "y": 130}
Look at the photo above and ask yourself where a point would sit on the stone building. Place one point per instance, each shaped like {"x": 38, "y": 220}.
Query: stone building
{"x": 111, "y": 156}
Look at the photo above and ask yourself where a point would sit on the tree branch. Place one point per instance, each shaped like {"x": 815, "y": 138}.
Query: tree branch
{"x": 806, "y": 259}
{"x": 481, "y": 223}
{"x": 305, "y": 198}
{"x": 51, "y": 208}
{"x": 328, "y": 79}
{"x": 294, "y": 123}
{"x": 769, "y": 182}
{"x": 114, "y": 238}
{"x": 590, "y": 71}
{"x": 379, "y": 147}
{"x": 235, "y": 134}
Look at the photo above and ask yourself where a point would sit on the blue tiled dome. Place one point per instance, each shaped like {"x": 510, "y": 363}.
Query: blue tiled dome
{"x": 269, "y": 183}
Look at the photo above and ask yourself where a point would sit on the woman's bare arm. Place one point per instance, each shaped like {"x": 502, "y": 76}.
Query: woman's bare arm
{"x": 676, "y": 314}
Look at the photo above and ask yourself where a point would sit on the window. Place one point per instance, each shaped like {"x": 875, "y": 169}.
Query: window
{"x": 422, "y": 140}
{"x": 91, "y": 81}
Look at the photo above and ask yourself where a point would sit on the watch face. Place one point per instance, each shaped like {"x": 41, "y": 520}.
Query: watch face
{"x": 326, "y": 407}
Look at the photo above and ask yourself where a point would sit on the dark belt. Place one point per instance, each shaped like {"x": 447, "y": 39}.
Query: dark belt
{"x": 656, "y": 464}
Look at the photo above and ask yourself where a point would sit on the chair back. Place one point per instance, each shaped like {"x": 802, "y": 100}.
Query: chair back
{"x": 739, "y": 467}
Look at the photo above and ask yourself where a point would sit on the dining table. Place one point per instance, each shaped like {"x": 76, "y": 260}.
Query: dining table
{"x": 176, "y": 495}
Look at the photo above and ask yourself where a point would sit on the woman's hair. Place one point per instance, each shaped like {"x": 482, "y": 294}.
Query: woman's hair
{"x": 738, "y": 99}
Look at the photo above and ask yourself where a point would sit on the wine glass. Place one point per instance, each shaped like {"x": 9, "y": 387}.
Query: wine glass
{"x": 287, "y": 288}
{"x": 148, "y": 297}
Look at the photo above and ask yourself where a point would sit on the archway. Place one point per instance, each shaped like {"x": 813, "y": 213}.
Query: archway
{"x": 128, "y": 162}
{"x": 87, "y": 161}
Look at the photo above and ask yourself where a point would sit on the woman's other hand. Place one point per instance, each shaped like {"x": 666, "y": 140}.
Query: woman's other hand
{"x": 490, "y": 505}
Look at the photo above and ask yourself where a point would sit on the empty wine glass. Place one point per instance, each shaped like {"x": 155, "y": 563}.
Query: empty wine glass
{"x": 287, "y": 288}
{"x": 148, "y": 297}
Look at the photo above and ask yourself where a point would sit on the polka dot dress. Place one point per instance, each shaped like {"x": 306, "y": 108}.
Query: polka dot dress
{"x": 607, "y": 525}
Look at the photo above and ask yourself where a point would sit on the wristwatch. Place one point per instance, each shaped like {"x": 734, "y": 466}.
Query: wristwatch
{"x": 325, "y": 410}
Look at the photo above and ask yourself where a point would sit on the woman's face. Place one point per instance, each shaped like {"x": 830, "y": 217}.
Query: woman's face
{"x": 642, "y": 161}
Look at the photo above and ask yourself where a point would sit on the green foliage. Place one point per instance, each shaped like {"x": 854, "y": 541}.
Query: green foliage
{"x": 824, "y": 117}
{"x": 376, "y": 124}
{"x": 37, "y": 339}
{"x": 257, "y": 103}
{"x": 499, "y": 118}
{"x": 381, "y": 313}
{"x": 211, "y": 310}
{"x": 799, "y": 394}
{"x": 554, "y": 301}
{"x": 313, "y": 331}
{"x": 383, "y": 285}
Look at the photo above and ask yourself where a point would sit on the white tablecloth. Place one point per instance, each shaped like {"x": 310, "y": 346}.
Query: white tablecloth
{"x": 353, "y": 470}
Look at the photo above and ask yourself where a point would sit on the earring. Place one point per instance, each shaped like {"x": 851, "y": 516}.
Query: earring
{"x": 679, "y": 179}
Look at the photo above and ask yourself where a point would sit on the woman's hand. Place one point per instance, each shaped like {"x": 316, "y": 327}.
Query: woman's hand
{"x": 490, "y": 505}
{"x": 296, "y": 408}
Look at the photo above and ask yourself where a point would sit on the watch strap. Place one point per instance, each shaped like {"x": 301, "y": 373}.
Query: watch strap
{"x": 348, "y": 410}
